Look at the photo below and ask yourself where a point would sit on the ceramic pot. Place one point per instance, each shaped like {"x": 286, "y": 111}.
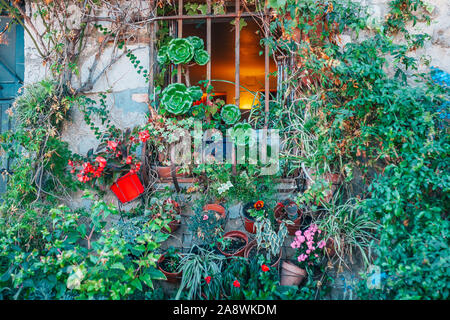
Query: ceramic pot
{"x": 291, "y": 275}
{"x": 235, "y": 234}
{"x": 172, "y": 277}
{"x": 253, "y": 244}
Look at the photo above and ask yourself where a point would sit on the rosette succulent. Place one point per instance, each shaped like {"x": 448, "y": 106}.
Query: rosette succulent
{"x": 162, "y": 57}
{"x": 230, "y": 114}
{"x": 241, "y": 134}
{"x": 196, "y": 42}
{"x": 176, "y": 99}
{"x": 195, "y": 92}
{"x": 201, "y": 57}
{"x": 180, "y": 51}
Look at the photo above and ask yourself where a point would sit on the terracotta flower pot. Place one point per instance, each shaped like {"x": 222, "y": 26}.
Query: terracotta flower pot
{"x": 253, "y": 244}
{"x": 216, "y": 208}
{"x": 235, "y": 234}
{"x": 280, "y": 214}
{"x": 291, "y": 275}
{"x": 174, "y": 224}
{"x": 249, "y": 223}
{"x": 127, "y": 188}
{"x": 165, "y": 173}
{"x": 172, "y": 277}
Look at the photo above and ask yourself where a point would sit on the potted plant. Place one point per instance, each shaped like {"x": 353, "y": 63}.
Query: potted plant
{"x": 163, "y": 133}
{"x": 233, "y": 243}
{"x": 288, "y": 210}
{"x": 310, "y": 249}
{"x": 201, "y": 270}
{"x": 206, "y": 227}
{"x": 168, "y": 210}
{"x": 216, "y": 208}
{"x": 169, "y": 264}
{"x": 250, "y": 211}
{"x": 267, "y": 241}
{"x": 113, "y": 164}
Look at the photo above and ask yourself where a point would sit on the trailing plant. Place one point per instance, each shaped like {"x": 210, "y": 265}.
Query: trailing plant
{"x": 268, "y": 239}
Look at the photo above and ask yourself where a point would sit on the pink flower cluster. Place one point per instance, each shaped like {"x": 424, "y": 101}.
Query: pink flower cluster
{"x": 307, "y": 243}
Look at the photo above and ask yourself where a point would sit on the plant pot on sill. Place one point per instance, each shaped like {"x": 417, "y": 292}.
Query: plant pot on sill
{"x": 249, "y": 222}
{"x": 233, "y": 235}
{"x": 127, "y": 188}
{"x": 291, "y": 275}
{"x": 172, "y": 277}
{"x": 253, "y": 246}
{"x": 281, "y": 214}
{"x": 165, "y": 172}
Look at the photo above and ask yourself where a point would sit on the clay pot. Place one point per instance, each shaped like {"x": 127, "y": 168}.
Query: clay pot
{"x": 249, "y": 223}
{"x": 216, "y": 208}
{"x": 165, "y": 173}
{"x": 280, "y": 214}
{"x": 174, "y": 224}
{"x": 235, "y": 234}
{"x": 172, "y": 277}
{"x": 253, "y": 244}
{"x": 291, "y": 275}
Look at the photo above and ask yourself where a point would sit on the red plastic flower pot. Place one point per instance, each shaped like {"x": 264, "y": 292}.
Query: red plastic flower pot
{"x": 127, "y": 188}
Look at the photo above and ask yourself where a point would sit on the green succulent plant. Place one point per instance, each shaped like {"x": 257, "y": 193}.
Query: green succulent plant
{"x": 195, "y": 92}
{"x": 230, "y": 114}
{"x": 241, "y": 134}
{"x": 201, "y": 57}
{"x": 176, "y": 99}
{"x": 180, "y": 51}
{"x": 162, "y": 57}
{"x": 196, "y": 42}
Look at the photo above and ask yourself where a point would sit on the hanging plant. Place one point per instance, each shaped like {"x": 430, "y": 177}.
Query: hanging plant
{"x": 180, "y": 51}
{"x": 195, "y": 92}
{"x": 230, "y": 114}
{"x": 201, "y": 57}
{"x": 196, "y": 42}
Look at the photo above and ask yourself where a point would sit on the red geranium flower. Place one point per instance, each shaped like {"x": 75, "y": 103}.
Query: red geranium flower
{"x": 236, "y": 284}
{"x": 88, "y": 168}
{"x": 144, "y": 135}
{"x": 264, "y": 268}
{"x": 129, "y": 159}
{"x": 101, "y": 162}
{"x": 259, "y": 205}
{"x": 208, "y": 279}
{"x": 112, "y": 144}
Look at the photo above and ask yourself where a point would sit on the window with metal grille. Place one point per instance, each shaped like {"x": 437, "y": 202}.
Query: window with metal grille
{"x": 240, "y": 69}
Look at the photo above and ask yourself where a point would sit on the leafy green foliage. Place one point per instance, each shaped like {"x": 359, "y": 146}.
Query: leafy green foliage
{"x": 176, "y": 99}
{"x": 230, "y": 114}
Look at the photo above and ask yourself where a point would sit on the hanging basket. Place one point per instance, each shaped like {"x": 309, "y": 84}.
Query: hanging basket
{"x": 127, "y": 188}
